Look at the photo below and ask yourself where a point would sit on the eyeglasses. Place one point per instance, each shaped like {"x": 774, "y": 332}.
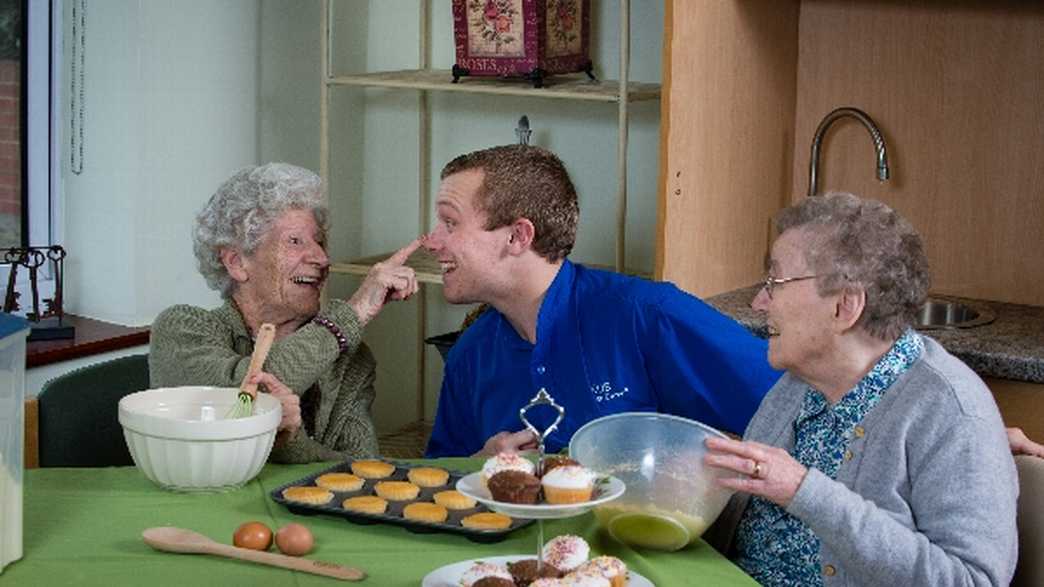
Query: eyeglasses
{"x": 771, "y": 282}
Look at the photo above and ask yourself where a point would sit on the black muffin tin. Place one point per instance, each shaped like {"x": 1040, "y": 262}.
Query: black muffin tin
{"x": 393, "y": 515}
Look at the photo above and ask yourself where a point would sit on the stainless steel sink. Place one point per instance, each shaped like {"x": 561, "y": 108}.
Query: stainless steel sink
{"x": 939, "y": 312}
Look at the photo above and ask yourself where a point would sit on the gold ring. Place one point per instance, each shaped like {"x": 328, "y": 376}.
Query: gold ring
{"x": 757, "y": 470}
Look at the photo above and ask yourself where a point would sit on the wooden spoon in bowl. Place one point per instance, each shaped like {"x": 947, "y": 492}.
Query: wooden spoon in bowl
{"x": 244, "y": 406}
{"x": 184, "y": 541}
{"x": 262, "y": 344}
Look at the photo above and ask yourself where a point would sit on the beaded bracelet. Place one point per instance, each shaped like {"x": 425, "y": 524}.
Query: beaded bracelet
{"x": 342, "y": 340}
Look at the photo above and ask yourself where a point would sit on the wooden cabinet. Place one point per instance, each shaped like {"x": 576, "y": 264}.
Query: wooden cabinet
{"x": 1021, "y": 404}
{"x": 726, "y": 137}
{"x": 955, "y": 88}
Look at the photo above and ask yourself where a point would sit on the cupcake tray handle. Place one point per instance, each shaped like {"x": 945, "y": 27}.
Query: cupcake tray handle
{"x": 542, "y": 398}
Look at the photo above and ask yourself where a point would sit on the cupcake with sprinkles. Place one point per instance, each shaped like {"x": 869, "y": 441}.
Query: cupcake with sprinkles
{"x": 578, "y": 580}
{"x": 566, "y": 552}
{"x": 481, "y": 570}
{"x": 505, "y": 462}
{"x": 610, "y": 567}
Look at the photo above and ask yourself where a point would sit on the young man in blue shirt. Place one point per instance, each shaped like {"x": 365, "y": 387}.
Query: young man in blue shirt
{"x": 599, "y": 342}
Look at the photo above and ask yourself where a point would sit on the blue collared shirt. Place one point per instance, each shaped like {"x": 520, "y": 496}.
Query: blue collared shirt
{"x": 776, "y": 548}
{"x": 606, "y": 343}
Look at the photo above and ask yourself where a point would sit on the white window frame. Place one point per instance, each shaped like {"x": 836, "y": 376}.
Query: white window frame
{"x": 43, "y": 141}
{"x": 44, "y": 118}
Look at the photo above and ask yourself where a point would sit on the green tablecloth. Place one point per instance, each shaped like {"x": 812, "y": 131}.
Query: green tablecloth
{"x": 83, "y": 527}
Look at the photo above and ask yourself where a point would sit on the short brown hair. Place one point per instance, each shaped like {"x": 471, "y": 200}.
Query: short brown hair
{"x": 522, "y": 181}
{"x": 860, "y": 241}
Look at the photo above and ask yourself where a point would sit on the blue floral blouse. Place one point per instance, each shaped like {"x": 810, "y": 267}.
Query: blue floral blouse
{"x": 776, "y": 548}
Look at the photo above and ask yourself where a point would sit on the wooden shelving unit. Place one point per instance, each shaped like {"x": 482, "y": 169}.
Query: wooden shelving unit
{"x": 562, "y": 87}
{"x": 423, "y": 80}
{"x": 422, "y": 262}
{"x": 427, "y": 268}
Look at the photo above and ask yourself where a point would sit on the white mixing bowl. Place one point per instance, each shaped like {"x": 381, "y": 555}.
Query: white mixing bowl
{"x": 180, "y": 439}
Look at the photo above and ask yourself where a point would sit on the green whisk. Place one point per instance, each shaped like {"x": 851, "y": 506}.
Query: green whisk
{"x": 244, "y": 405}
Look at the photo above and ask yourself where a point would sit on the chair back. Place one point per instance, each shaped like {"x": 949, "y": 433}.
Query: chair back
{"x": 78, "y": 413}
{"x": 1030, "y": 569}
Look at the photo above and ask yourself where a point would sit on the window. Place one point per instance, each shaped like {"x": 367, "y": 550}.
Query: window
{"x": 30, "y": 38}
{"x": 12, "y": 33}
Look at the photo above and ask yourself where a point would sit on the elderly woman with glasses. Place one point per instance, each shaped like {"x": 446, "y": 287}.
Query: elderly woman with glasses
{"x": 261, "y": 242}
{"x": 878, "y": 458}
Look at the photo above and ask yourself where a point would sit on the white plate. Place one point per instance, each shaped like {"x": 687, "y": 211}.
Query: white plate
{"x": 449, "y": 575}
{"x": 471, "y": 486}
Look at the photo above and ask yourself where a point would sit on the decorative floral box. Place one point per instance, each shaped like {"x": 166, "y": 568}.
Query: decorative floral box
{"x": 521, "y": 38}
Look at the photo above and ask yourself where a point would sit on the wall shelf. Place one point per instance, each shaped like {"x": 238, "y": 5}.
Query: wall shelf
{"x": 427, "y": 267}
{"x": 565, "y": 87}
{"x": 421, "y": 261}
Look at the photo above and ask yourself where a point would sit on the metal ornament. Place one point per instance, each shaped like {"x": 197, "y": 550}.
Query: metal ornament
{"x": 522, "y": 131}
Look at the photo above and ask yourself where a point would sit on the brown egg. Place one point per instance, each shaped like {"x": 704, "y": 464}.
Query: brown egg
{"x": 253, "y": 535}
{"x": 294, "y": 539}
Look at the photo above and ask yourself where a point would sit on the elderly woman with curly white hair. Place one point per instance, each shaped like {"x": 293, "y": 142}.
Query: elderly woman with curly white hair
{"x": 878, "y": 458}
{"x": 261, "y": 242}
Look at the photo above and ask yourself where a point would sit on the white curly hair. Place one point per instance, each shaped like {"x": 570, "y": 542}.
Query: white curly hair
{"x": 243, "y": 209}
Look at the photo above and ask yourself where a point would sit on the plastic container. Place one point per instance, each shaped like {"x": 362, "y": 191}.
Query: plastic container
{"x": 13, "y": 331}
{"x": 180, "y": 438}
{"x": 671, "y": 497}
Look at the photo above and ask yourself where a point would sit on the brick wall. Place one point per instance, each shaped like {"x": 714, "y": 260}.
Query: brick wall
{"x": 10, "y": 152}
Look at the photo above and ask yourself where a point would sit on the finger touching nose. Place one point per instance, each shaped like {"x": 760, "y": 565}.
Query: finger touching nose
{"x": 433, "y": 240}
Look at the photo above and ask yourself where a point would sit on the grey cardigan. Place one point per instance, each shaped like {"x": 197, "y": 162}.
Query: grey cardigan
{"x": 194, "y": 346}
{"x": 929, "y": 495}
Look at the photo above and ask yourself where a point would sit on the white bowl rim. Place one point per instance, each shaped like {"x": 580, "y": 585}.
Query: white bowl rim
{"x": 654, "y": 415}
{"x": 180, "y": 429}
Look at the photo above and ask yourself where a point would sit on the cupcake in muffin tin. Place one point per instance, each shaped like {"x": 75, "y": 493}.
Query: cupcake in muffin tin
{"x": 394, "y": 513}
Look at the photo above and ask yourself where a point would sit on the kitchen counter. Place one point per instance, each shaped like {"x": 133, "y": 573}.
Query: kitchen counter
{"x": 1011, "y": 347}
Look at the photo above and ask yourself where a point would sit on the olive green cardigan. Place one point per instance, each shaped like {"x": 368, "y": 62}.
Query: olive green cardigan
{"x": 194, "y": 346}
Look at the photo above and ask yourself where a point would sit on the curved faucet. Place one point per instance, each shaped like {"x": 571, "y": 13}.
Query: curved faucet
{"x": 875, "y": 134}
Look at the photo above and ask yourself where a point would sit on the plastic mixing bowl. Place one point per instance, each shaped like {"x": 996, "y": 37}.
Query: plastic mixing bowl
{"x": 671, "y": 496}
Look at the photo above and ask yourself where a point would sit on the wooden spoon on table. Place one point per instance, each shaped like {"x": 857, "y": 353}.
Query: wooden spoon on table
{"x": 184, "y": 541}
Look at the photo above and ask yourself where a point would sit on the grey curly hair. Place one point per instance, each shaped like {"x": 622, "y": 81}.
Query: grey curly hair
{"x": 862, "y": 242}
{"x": 243, "y": 209}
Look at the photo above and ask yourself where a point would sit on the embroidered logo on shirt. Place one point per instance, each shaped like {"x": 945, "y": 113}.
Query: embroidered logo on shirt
{"x": 605, "y": 392}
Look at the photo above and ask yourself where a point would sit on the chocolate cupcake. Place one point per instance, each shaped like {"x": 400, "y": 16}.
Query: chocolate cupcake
{"x": 514, "y": 487}
{"x": 525, "y": 572}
